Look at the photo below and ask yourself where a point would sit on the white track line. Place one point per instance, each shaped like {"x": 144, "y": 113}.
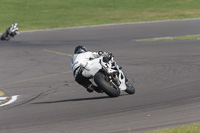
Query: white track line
{"x": 115, "y": 24}
{"x": 13, "y": 98}
{"x": 3, "y": 98}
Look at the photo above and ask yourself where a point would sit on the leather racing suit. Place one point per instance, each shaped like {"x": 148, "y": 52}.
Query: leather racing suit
{"x": 81, "y": 62}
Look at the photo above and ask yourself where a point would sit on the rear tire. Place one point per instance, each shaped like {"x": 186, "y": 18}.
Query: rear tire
{"x": 130, "y": 89}
{"x": 4, "y": 37}
{"x": 108, "y": 88}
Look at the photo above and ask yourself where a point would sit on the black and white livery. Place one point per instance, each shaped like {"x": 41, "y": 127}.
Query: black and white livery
{"x": 109, "y": 77}
{"x": 11, "y": 32}
{"x": 100, "y": 71}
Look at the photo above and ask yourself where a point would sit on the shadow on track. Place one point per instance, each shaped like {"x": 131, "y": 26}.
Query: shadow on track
{"x": 74, "y": 100}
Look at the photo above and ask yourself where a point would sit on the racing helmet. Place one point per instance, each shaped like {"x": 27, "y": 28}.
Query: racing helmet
{"x": 80, "y": 49}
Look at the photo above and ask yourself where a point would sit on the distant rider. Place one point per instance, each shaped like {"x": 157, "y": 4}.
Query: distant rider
{"x": 10, "y": 32}
{"x": 79, "y": 62}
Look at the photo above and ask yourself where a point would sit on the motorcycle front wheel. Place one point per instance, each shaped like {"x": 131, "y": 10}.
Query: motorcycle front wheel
{"x": 130, "y": 89}
{"x": 109, "y": 88}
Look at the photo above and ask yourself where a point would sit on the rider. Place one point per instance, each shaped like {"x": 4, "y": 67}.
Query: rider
{"x": 10, "y": 32}
{"x": 80, "y": 60}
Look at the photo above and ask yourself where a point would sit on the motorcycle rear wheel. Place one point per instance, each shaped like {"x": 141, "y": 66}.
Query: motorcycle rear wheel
{"x": 110, "y": 89}
{"x": 5, "y": 37}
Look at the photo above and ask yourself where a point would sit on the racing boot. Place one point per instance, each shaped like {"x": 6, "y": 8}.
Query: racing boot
{"x": 90, "y": 88}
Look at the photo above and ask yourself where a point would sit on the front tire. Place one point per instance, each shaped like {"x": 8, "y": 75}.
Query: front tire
{"x": 130, "y": 89}
{"x": 110, "y": 89}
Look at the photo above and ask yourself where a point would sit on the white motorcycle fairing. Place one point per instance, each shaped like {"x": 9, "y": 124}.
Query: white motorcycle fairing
{"x": 90, "y": 68}
{"x": 122, "y": 80}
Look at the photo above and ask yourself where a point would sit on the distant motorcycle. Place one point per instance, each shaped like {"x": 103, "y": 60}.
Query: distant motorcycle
{"x": 108, "y": 76}
{"x": 10, "y": 32}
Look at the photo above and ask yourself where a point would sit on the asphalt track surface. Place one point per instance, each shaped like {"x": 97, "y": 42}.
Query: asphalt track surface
{"x": 166, "y": 75}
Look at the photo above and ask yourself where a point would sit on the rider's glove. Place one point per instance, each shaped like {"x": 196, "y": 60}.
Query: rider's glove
{"x": 107, "y": 56}
{"x": 110, "y": 55}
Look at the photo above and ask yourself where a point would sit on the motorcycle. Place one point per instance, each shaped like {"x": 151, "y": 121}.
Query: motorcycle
{"x": 108, "y": 76}
{"x": 10, "y": 32}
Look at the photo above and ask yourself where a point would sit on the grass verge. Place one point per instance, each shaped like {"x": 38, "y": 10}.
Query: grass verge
{"x": 47, "y": 14}
{"x": 193, "y": 128}
{"x": 189, "y": 37}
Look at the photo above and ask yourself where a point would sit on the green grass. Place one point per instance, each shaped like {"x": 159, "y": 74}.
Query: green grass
{"x": 189, "y": 37}
{"x": 194, "y": 128}
{"x": 45, "y": 14}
